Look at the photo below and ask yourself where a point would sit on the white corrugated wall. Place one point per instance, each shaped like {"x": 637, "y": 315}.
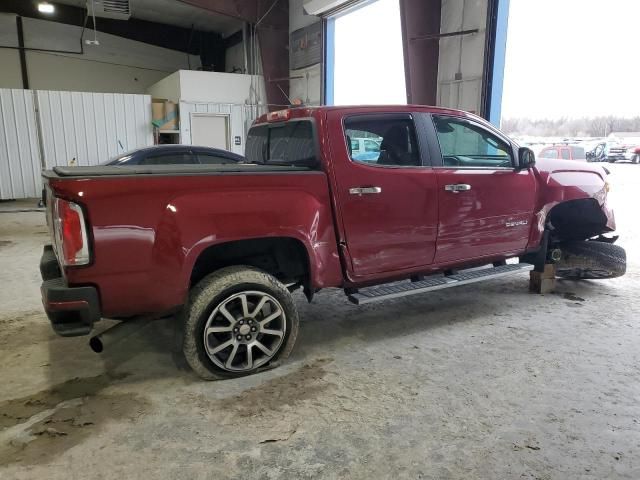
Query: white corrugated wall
{"x": 85, "y": 128}
{"x": 78, "y": 128}
{"x": 240, "y": 119}
{"x": 19, "y": 153}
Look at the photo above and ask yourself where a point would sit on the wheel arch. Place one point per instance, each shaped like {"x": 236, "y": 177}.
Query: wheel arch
{"x": 286, "y": 258}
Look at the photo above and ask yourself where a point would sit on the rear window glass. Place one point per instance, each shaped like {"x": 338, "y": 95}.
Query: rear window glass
{"x": 289, "y": 144}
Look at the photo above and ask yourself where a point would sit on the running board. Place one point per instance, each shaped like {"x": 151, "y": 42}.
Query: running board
{"x": 435, "y": 282}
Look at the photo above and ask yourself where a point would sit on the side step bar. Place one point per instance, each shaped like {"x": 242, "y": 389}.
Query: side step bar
{"x": 435, "y": 282}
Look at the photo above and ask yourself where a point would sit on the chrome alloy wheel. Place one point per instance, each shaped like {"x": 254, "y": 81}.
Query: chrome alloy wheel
{"x": 245, "y": 331}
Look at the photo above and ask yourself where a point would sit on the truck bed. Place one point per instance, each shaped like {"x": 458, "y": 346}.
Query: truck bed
{"x": 112, "y": 170}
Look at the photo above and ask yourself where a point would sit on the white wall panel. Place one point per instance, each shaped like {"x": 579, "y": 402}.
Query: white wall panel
{"x": 19, "y": 153}
{"x": 92, "y": 127}
{"x": 240, "y": 119}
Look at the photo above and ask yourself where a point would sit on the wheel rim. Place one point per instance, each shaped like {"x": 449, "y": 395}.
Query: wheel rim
{"x": 245, "y": 331}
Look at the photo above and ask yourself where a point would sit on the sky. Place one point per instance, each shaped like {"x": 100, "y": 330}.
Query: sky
{"x": 371, "y": 53}
{"x": 572, "y": 58}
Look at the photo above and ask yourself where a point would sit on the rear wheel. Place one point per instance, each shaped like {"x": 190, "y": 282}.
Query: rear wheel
{"x": 239, "y": 320}
{"x": 636, "y": 158}
{"x": 591, "y": 260}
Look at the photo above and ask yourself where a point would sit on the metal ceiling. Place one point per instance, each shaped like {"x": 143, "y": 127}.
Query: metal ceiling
{"x": 174, "y": 12}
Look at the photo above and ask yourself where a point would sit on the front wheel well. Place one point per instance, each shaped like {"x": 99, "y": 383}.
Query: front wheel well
{"x": 284, "y": 258}
{"x": 576, "y": 220}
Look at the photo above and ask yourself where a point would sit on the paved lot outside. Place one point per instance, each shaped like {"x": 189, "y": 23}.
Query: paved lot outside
{"x": 482, "y": 381}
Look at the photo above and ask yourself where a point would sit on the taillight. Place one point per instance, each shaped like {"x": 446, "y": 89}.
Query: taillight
{"x": 70, "y": 233}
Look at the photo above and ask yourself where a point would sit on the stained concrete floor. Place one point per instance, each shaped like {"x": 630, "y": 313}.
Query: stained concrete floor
{"x": 483, "y": 381}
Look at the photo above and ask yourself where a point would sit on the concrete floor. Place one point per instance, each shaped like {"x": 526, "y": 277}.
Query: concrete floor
{"x": 483, "y": 381}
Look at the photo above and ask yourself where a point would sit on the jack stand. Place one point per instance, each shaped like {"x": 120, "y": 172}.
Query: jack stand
{"x": 544, "y": 281}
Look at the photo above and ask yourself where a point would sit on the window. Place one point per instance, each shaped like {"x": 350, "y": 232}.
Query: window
{"x": 210, "y": 159}
{"x": 464, "y": 144}
{"x": 182, "y": 158}
{"x": 549, "y": 153}
{"x": 388, "y": 140}
{"x": 290, "y": 144}
{"x": 566, "y": 154}
{"x": 578, "y": 153}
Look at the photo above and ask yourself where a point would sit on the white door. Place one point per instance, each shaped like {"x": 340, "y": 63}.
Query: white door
{"x": 210, "y": 130}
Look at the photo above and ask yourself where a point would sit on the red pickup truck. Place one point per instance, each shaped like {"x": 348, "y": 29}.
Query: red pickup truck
{"x": 446, "y": 201}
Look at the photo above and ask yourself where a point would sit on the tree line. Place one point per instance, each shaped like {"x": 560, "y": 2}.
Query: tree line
{"x": 570, "y": 127}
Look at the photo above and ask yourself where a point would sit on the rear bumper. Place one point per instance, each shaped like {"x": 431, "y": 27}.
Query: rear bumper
{"x": 71, "y": 310}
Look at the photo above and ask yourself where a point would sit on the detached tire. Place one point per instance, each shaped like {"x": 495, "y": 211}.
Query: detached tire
{"x": 591, "y": 260}
{"x": 239, "y": 320}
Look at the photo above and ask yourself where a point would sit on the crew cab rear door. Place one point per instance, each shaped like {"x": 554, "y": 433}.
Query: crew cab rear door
{"x": 386, "y": 200}
{"x": 486, "y": 205}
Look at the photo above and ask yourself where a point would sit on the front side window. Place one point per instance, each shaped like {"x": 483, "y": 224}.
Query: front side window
{"x": 388, "y": 140}
{"x": 549, "y": 153}
{"x": 465, "y": 144}
{"x": 210, "y": 159}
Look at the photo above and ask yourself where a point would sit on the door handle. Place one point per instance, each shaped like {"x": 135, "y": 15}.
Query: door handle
{"x": 364, "y": 190}
{"x": 457, "y": 187}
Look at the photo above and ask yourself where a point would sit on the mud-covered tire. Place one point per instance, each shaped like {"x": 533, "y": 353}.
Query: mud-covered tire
{"x": 210, "y": 294}
{"x": 591, "y": 260}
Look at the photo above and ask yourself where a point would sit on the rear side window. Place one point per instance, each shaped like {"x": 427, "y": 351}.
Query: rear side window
{"x": 550, "y": 153}
{"x": 578, "y": 153}
{"x": 292, "y": 143}
{"x": 382, "y": 140}
{"x": 566, "y": 154}
{"x": 169, "y": 159}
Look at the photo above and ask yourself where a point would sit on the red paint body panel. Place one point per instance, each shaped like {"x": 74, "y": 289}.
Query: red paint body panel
{"x": 146, "y": 232}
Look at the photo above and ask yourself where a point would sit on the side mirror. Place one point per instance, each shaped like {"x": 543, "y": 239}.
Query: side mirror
{"x": 526, "y": 158}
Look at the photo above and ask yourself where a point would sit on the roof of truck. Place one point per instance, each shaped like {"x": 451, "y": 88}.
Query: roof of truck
{"x": 302, "y": 112}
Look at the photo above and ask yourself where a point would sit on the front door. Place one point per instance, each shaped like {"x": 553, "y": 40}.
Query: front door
{"x": 486, "y": 204}
{"x": 387, "y": 200}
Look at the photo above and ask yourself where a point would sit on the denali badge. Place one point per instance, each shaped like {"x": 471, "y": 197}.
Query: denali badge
{"x": 516, "y": 223}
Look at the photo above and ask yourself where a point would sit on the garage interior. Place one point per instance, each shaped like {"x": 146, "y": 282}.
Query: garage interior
{"x": 484, "y": 381}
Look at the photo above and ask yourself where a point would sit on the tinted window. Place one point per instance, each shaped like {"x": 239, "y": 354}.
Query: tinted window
{"x": 169, "y": 159}
{"x": 291, "y": 144}
{"x": 210, "y": 159}
{"x": 257, "y": 140}
{"x": 389, "y": 140}
{"x": 578, "y": 153}
{"x": 565, "y": 153}
{"x": 549, "y": 153}
{"x": 465, "y": 144}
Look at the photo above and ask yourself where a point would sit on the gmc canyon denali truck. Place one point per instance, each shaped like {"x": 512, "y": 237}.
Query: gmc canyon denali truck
{"x": 446, "y": 201}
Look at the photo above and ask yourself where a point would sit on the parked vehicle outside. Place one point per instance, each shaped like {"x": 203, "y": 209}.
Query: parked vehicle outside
{"x": 564, "y": 152}
{"x": 365, "y": 149}
{"x": 222, "y": 247}
{"x": 175, "y": 155}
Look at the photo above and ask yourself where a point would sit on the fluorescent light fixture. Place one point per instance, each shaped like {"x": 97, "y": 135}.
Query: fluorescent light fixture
{"x": 46, "y": 7}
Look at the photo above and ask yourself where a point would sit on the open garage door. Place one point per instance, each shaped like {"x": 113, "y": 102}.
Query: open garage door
{"x": 368, "y": 58}
{"x": 453, "y": 53}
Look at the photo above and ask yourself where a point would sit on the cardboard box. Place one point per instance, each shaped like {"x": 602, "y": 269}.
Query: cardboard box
{"x": 164, "y": 114}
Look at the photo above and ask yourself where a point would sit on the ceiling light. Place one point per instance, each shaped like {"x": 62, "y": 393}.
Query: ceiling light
{"x": 46, "y": 7}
